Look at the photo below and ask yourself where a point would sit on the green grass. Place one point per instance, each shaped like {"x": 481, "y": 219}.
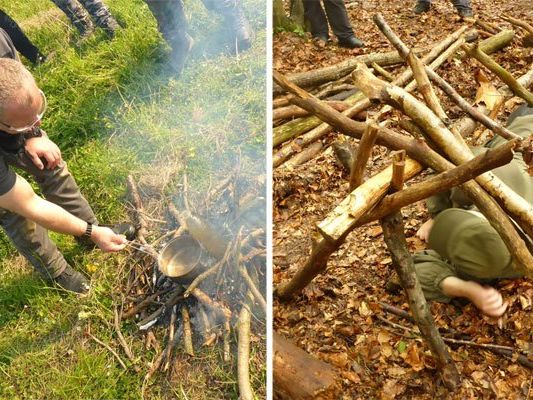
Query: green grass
{"x": 115, "y": 109}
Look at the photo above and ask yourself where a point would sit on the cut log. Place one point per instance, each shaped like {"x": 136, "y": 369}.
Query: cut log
{"x": 494, "y": 43}
{"x": 393, "y": 233}
{"x": 299, "y": 376}
{"x": 398, "y": 170}
{"x": 337, "y": 71}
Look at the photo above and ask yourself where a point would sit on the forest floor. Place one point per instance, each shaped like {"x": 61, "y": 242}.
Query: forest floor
{"x": 336, "y": 316}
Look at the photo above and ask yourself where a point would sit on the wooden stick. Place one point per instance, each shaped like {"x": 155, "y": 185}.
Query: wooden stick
{"x": 363, "y": 154}
{"x": 483, "y": 162}
{"x": 393, "y": 233}
{"x": 225, "y": 341}
{"x": 382, "y": 71}
{"x": 415, "y": 149}
{"x": 171, "y": 335}
{"x": 253, "y": 288}
{"x": 514, "y": 205}
{"x": 187, "y": 331}
{"x": 214, "y": 305}
{"x": 398, "y": 170}
{"x": 305, "y": 155}
{"x": 243, "y": 354}
{"x": 425, "y": 88}
{"x": 293, "y": 111}
{"x": 517, "y": 22}
{"x": 121, "y": 339}
{"x": 502, "y": 73}
{"x": 113, "y": 352}
{"x": 501, "y": 350}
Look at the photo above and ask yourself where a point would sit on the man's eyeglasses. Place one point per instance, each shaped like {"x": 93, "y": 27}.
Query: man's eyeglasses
{"x": 44, "y": 105}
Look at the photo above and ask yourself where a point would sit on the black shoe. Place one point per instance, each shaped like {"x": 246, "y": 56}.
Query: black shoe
{"x": 351, "y": 43}
{"x": 73, "y": 281}
{"x": 422, "y": 7}
{"x": 465, "y": 13}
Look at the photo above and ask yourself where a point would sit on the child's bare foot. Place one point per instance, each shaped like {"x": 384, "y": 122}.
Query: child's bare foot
{"x": 486, "y": 298}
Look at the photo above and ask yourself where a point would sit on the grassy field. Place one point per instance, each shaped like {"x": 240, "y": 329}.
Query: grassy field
{"x": 114, "y": 110}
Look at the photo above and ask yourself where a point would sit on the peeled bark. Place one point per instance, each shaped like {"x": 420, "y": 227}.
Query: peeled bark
{"x": 243, "y": 354}
{"x": 299, "y": 376}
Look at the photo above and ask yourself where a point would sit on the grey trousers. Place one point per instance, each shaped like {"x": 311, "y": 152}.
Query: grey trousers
{"x": 459, "y": 4}
{"x": 336, "y": 15}
{"x": 32, "y": 240}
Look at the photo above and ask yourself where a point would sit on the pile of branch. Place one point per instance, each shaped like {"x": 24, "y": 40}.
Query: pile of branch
{"x": 227, "y": 222}
{"x": 430, "y": 140}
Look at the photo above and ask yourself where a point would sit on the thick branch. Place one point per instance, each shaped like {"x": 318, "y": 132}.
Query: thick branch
{"x": 393, "y": 233}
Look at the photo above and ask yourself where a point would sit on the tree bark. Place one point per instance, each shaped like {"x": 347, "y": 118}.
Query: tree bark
{"x": 299, "y": 376}
{"x": 393, "y": 233}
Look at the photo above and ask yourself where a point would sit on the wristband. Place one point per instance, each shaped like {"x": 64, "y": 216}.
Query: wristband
{"x": 88, "y": 231}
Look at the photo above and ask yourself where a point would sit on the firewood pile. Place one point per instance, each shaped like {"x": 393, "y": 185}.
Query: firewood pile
{"x": 221, "y": 234}
{"x": 340, "y": 97}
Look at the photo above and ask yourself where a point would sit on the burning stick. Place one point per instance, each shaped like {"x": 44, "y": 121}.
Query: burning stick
{"x": 187, "y": 331}
{"x": 253, "y": 288}
{"x": 243, "y": 354}
{"x": 203, "y": 298}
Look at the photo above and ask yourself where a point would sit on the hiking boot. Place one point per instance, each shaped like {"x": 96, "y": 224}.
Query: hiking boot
{"x": 351, "y": 42}
{"x": 73, "y": 281}
{"x": 465, "y": 13}
{"x": 422, "y": 7}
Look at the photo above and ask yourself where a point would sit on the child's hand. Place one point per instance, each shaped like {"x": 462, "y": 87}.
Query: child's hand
{"x": 425, "y": 229}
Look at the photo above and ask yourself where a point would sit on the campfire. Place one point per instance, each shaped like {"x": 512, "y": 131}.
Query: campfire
{"x": 204, "y": 274}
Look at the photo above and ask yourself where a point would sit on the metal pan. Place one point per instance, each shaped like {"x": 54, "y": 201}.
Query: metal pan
{"x": 180, "y": 258}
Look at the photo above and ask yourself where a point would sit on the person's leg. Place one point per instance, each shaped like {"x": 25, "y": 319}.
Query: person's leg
{"x": 235, "y": 20}
{"x": 22, "y": 43}
{"x": 101, "y": 15}
{"x": 77, "y": 15}
{"x": 172, "y": 23}
{"x": 338, "y": 18}
{"x": 314, "y": 13}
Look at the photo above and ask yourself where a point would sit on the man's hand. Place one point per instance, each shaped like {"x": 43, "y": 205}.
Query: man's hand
{"x": 425, "y": 229}
{"x": 42, "y": 147}
{"x": 107, "y": 240}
